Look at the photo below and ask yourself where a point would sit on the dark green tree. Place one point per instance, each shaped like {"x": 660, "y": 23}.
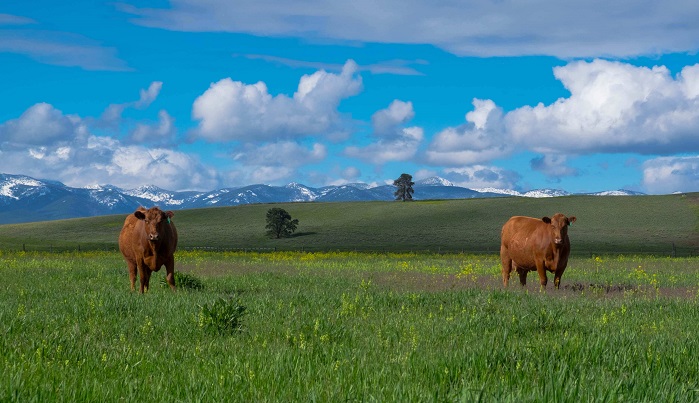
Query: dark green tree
{"x": 279, "y": 223}
{"x": 404, "y": 187}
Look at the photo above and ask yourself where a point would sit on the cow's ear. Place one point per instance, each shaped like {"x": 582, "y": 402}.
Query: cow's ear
{"x": 169, "y": 214}
{"x": 139, "y": 214}
{"x": 546, "y": 220}
{"x": 571, "y": 220}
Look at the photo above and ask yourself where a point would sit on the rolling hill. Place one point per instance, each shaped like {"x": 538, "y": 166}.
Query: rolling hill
{"x": 606, "y": 225}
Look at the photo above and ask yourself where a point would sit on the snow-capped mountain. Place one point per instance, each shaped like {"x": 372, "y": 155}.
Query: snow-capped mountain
{"x": 434, "y": 181}
{"x": 546, "y": 193}
{"x": 503, "y": 192}
{"x": 25, "y": 199}
{"x": 620, "y": 192}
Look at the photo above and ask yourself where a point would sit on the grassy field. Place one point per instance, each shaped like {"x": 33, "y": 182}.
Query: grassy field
{"x": 606, "y": 225}
{"x": 346, "y": 326}
{"x": 355, "y": 316}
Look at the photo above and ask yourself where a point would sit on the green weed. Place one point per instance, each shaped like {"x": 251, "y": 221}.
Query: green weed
{"x": 184, "y": 281}
{"x": 223, "y": 316}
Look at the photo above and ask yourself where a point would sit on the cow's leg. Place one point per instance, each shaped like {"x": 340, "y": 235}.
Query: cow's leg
{"x": 522, "y": 276}
{"x": 146, "y": 278}
{"x": 132, "y": 273}
{"x": 557, "y": 277}
{"x": 541, "y": 270}
{"x": 506, "y": 268}
{"x": 170, "y": 270}
{"x": 142, "y": 277}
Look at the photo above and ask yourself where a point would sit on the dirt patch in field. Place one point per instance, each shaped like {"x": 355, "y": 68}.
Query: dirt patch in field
{"x": 430, "y": 282}
{"x": 417, "y": 282}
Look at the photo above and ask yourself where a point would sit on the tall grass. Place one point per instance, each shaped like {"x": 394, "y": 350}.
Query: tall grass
{"x": 348, "y": 326}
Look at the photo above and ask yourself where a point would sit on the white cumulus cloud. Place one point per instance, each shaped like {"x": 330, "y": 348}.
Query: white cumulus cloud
{"x": 233, "y": 111}
{"x": 614, "y": 107}
{"x": 147, "y": 96}
{"x": 481, "y": 139}
{"x": 41, "y": 124}
{"x": 45, "y": 143}
{"x": 671, "y": 174}
{"x": 553, "y": 165}
{"x": 393, "y": 141}
{"x": 481, "y": 176}
{"x": 160, "y": 133}
{"x": 112, "y": 115}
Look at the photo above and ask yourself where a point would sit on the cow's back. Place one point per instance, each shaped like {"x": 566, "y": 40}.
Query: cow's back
{"x": 523, "y": 240}
{"x": 129, "y": 236}
{"x": 518, "y": 228}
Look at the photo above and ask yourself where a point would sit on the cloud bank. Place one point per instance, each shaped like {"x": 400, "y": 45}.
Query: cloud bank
{"x": 46, "y": 143}
{"x": 492, "y": 28}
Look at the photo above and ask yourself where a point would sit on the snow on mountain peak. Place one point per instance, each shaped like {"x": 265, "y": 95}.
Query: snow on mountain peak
{"x": 306, "y": 194}
{"x": 434, "y": 181}
{"x": 620, "y": 192}
{"x": 545, "y": 193}
{"x": 10, "y": 183}
{"x": 154, "y": 194}
{"x": 507, "y": 192}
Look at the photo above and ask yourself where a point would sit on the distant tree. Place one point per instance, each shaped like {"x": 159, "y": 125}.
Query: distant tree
{"x": 279, "y": 223}
{"x": 404, "y": 187}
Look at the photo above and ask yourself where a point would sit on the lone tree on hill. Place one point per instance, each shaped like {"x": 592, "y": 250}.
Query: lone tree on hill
{"x": 404, "y": 186}
{"x": 279, "y": 223}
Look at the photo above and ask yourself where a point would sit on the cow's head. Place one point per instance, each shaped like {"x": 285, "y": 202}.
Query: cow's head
{"x": 155, "y": 220}
{"x": 559, "y": 226}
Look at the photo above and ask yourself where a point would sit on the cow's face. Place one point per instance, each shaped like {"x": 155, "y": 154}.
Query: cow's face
{"x": 155, "y": 221}
{"x": 559, "y": 227}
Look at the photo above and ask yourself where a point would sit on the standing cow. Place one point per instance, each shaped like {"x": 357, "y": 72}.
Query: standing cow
{"x": 529, "y": 244}
{"x": 148, "y": 241}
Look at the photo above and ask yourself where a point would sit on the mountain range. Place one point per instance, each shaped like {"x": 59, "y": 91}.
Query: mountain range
{"x": 26, "y": 199}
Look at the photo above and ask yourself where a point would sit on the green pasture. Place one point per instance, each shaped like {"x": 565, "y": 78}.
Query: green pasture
{"x": 661, "y": 225}
{"x": 348, "y": 326}
{"x": 377, "y": 301}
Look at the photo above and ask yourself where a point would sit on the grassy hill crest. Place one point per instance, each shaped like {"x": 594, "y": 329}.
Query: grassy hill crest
{"x": 606, "y": 225}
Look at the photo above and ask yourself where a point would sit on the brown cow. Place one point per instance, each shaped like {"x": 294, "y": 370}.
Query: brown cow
{"x": 529, "y": 244}
{"x": 148, "y": 241}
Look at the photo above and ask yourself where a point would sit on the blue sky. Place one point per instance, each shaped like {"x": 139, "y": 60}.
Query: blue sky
{"x": 192, "y": 95}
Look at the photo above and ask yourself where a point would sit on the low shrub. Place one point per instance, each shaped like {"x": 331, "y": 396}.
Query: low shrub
{"x": 184, "y": 281}
{"x": 223, "y": 316}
